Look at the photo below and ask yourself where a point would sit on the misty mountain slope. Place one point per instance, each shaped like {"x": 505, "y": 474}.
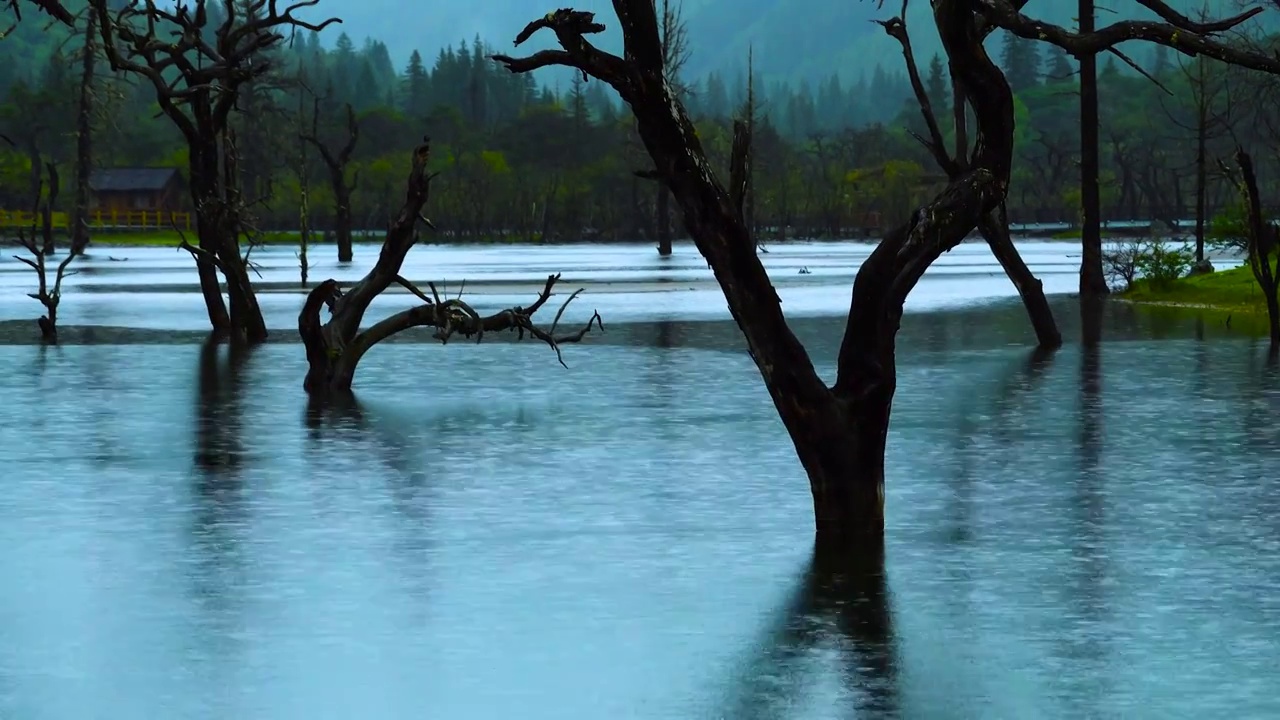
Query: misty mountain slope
{"x": 792, "y": 39}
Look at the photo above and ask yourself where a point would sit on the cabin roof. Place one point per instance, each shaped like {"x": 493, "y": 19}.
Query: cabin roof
{"x": 131, "y": 179}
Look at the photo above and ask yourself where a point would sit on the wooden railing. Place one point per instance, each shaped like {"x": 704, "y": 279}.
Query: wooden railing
{"x": 101, "y": 219}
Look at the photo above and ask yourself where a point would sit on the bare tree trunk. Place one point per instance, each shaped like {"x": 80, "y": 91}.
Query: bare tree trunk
{"x": 1092, "y": 279}
{"x": 336, "y": 163}
{"x": 995, "y": 230}
{"x": 993, "y": 226}
{"x": 335, "y": 348}
{"x": 663, "y": 219}
{"x": 839, "y": 432}
{"x": 1202, "y": 178}
{"x": 1263, "y": 244}
{"x": 204, "y": 195}
{"x": 84, "y": 137}
{"x": 342, "y": 220}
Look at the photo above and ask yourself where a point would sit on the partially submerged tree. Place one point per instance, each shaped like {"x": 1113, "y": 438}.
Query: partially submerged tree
{"x": 84, "y": 133}
{"x": 1211, "y": 103}
{"x": 336, "y": 159}
{"x": 1262, "y": 241}
{"x": 994, "y": 226}
{"x": 839, "y": 431}
{"x": 673, "y": 36}
{"x": 1093, "y": 281}
{"x": 37, "y": 242}
{"x": 300, "y": 170}
{"x": 335, "y": 348}
{"x": 199, "y": 69}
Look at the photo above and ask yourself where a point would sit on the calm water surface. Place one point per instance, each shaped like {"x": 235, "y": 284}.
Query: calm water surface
{"x": 485, "y": 534}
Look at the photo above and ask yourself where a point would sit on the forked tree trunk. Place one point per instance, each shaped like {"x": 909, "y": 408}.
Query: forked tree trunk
{"x": 336, "y": 163}
{"x": 217, "y": 228}
{"x": 994, "y": 226}
{"x": 335, "y": 348}
{"x": 839, "y": 431}
{"x": 204, "y": 195}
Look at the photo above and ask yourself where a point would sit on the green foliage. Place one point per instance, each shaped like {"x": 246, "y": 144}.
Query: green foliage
{"x": 1233, "y": 290}
{"x": 1229, "y": 228}
{"x": 1163, "y": 262}
{"x": 520, "y": 160}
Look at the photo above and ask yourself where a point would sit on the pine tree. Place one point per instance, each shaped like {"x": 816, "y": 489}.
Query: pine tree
{"x": 343, "y": 68}
{"x": 717, "y": 97}
{"x": 1020, "y": 59}
{"x": 1160, "y": 64}
{"x": 937, "y": 88}
{"x": 414, "y": 87}
{"x": 1058, "y": 66}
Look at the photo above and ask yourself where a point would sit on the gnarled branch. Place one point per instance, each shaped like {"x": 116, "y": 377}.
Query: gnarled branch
{"x": 455, "y": 317}
{"x": 1177, "y": 32}
{"x": 571, "y": 27}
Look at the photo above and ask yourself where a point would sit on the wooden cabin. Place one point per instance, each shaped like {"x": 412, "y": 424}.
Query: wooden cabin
{"x": 157, "y": 190}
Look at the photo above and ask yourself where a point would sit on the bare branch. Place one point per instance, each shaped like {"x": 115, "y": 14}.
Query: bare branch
{"x": 1188, "y": 40}
{"x": 571, "y": 27}
{"x": 935, "y": 144}
{"x": 455, "y": 317}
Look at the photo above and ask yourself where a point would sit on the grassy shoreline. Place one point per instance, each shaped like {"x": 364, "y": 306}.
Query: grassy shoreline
{"x": 1226, "y": 291}
{"x": 170, "y": 238}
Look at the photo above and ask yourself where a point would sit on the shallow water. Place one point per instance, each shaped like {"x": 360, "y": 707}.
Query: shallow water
{"x": 624, "y": 282}
{"x": 486, "y": 534}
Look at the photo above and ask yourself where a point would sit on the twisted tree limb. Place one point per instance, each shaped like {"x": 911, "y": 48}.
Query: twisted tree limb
{"x": 335, "y": 348}
{"x": 994, "y": 226}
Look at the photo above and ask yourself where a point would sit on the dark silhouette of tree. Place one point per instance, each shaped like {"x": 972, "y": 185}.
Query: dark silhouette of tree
{"x": 335, "y": 348}
{"x": 1263, "y": 241}
{"x": 1093, "y": 280}
{"x": 995, "y": 226}
{"x": 839, "y": 431}
{"x": 341, "y": 182}
{"x": 197, "y": 85}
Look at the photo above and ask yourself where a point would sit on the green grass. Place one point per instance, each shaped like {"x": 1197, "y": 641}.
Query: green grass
{"x": 170, "y": 238}
{"x": 1233, "y": 290}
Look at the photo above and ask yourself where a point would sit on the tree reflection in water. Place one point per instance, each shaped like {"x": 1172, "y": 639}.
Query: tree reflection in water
{"x": 841, "y": 607}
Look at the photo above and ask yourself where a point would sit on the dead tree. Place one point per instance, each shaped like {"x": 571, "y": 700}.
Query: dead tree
{"x": 839, "y": 432}
{"x": 304, "y": 196}
{"x": 1093, "y": 282}
{"x": 37, "y": 243}
{"x": 1261, "y": 237}
{"x": 198, "y": 81}
{"x": 335, "y": 348}
{"x": 995, "y": 226}
{"x": 1213, "y": 119}
{"x": 336, "y": 163}
{"x": 84, "y": 134}
{"x": 749, "y": 113}
{"x": 52, "y": 8}
{"x": 674, "y": 41}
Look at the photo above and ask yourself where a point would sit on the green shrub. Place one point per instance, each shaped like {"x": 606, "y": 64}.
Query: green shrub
{"x": 1161, "y": 262}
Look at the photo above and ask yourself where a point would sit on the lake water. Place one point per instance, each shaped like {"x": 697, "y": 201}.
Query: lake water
{"x": 486, "y": 534}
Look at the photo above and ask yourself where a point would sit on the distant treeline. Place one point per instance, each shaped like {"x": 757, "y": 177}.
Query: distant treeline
{"x": 524, "y": 161}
